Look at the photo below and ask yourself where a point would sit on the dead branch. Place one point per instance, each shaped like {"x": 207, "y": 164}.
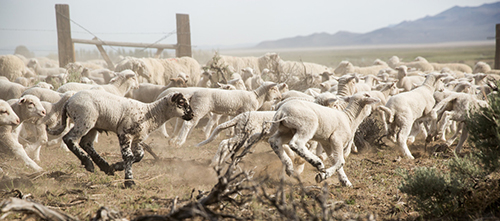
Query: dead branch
{"x": 32, "y": 208}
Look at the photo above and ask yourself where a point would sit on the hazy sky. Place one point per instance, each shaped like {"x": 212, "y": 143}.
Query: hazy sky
{"x": 213, "y": 22}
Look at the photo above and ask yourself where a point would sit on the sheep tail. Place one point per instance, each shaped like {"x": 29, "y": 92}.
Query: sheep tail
{"x": 266, "y": 131}
{"x": 389, "y": 115}
{"x": 60, "y": 128}
{"x": 218, "y": 129}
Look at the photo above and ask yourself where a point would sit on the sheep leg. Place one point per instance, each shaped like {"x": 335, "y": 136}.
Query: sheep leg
{"x": 298, "y": 145}
{"x": 459, "y": 132}
{"x": 137, "y": 150}
{"x": 87, "y": 144}
{"x": 70, "y": 140}
{"x": 210, "y": 124}
{"x": 463, "y": 137}
{"x": 21, "y": 153}
{"x": 128, "y": 158}
{"x": 225, "y": 147}
{"x": 187, "y": 126}
{"x": 402, "y": 138}
{"x": 276, "y": 143}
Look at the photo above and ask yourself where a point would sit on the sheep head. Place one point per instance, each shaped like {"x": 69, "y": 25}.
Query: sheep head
{"x": 31, "y": 107}
{"x": 7, "y": 115}
{"x": 178, "y": 82}
{"x": 181, "y": 102}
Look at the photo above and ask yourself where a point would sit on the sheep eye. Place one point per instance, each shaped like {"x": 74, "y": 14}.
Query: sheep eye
{"x": 3, "y": 112}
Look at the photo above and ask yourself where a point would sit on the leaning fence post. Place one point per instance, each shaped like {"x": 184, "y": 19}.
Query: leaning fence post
{"x": 497, "y": 49}
{"x": 183, "y": 36}
{"x": 65, "y": 45}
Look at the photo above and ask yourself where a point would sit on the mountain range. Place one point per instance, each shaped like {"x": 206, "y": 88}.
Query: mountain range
{"x": 453, "y": 25}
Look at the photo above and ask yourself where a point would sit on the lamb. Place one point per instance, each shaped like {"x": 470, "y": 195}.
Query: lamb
{"x": 148, "y": 93}
{"x": 452, "y": 67}
{"x": 258, "y": 64}
{"x": 7, "y": 115}
{"x": 44, "y": 94}
{"x": 26, "y": 108}
{"x": 247, "y": 122}
{"x": 406, "y": 82}
{"x": 346, "y": 67}
{"x": 406, "y": 108}
{"x": 456, "y": 107}
{"x": 12, "y": 67}
{"x": 36, "y": 130}
{"x": 482, "y": 67}
{"x": 10, "y": 90}
{"x": 296, "y": 122}
{"x": 100, "y": 76}
{"x": 205, "y": 80}
{"x": 33, "y": 63}
{"x": 419, "y": 64}
{"x": 159, "y": 71}
{"x": 132, "y": 121}
{"x": 252, "y": 81}
{"x": 120, "y": 85}
{"x": 27, "y": 82}
{"x": 226, "y": 102}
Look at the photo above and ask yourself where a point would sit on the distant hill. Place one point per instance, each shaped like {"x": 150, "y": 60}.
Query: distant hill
{"x": 454, "y": 24}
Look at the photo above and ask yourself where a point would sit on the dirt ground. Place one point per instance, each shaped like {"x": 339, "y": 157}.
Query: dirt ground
{"x": 185, "y": 172}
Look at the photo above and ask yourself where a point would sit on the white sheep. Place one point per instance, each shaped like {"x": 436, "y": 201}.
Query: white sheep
{"x": 296, "y": 122}
{"x": 44, "y": 94}
{"x": 35, "y": 131}
{"x": 258, "y": 64}
{"x": 132, "y": 121}
{"x": 7, "y": 115}
{"x": 482, "y": 67}
{"x": 456, "y": 107}
{"x": 346, "y": 67}
{"x": 10, "y": 90}
{"x": 406, "y": 82}
{"x": 11, "y": 66}
{"x": 226, "y": 102}
{"x": 419, "y": 64}
{"x": 119, "y": 85}
{"x": 252, "y": 81}
{"x": 26, "y": 108}
{"x": 406, "y": 108}
{"x": 33, "y": 63}
{"x": 147, "y": 92}
{"x": 100, "y": 76}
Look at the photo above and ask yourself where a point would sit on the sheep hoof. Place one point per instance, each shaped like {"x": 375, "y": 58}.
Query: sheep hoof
{"x": 320, "y": 177}
{"x": 89, "y": 166}
{"x": 129, "y": 183}
{"x": 120, "y": 166}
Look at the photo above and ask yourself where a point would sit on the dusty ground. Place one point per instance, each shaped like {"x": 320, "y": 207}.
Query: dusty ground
{"x": 183, "y": 172}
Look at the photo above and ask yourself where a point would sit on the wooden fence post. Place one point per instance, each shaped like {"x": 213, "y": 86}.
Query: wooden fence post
{"x": 183, "y": 36}
{"x": 65, "y": 45}
{"x": 497, "y": 49}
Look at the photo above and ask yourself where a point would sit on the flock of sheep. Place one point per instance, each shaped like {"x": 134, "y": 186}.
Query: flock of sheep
{"x": 307, "y": 112}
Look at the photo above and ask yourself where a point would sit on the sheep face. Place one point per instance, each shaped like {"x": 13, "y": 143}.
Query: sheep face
{"x": 182, "y": 106}
{"x": 7, "y": 115}
{"x": 32, "y": 106}
{"x": 273, "y": 93}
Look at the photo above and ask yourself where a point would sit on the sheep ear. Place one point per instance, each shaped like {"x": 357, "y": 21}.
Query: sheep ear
{"x": 219, "y": 85}
{"x": 22, "y": 100}
{"x": 176, "y": 97}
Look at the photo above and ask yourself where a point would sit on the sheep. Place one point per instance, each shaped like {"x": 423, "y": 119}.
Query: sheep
{"x": 252, "y": 81}
{"x": 33, "y": 63}
{"x": 26, "y": 108}
{"x": 132, "y": 121}
{"x": 119, "y": 85}
{"x": 296, "y": 122}
{"x": 10, "y": 90}
{"x": 406, "y": 82}
{"x": 226, "y": 102}
{"x": 148, "y": 93}
{"x": 12, "y": 67}
{"x": 159, "y": 71}
{"x": 456, "y": 107}
{"x": 27, "y": 82}
{"x": 258, "y": 64}
{"x": 7, "y": 115}
{"x": 482, "y": 67}
{"x": 406, "y": 108}
{"x": 44, "y": 94}
{"x": 100, "y": 76}
{"x": 205, "y": 79}
{"x": 37, "y": 129}
{"x": 419, "y": 64}
{"x": 346, "y": 67}
{"x": 309, "y": 71}
{"x": 248, "y": 122}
